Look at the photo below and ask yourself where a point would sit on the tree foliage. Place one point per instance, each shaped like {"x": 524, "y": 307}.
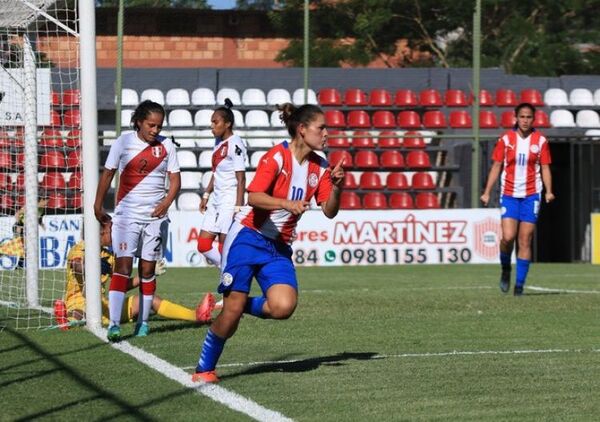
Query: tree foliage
{"x": 537, "y": 37}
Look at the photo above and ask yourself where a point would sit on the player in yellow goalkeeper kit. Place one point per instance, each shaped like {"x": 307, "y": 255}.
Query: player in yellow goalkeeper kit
{"x": 74, "y": 298}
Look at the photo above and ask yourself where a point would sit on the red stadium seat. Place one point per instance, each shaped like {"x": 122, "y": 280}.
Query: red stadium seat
{"x": 456, "y": 98}
{"x": 413, "y": 140}
{"x": 55, "y": 98}
{"x": 20, "y": 185}
{"x": 350, "y": 181}
{"x": 57, "y": 201}
{"x": 486, "y": 98}
{"x": 397, "y": 181}
{"x": 384, "y": 119}
{"x": 72, "y": 118}
{"x": 430, "y": 98}
{"x": 355, "y": 97}
{"x": 75, "y": 181}
{"x": 406, "y": 98}
{"x": 51, "y": 138}
{"x": 70, "y": 97}
{"x": 337, "y": 139}
{"x": 6, "y": 202}
{"x": 389, "y": 139}
{"x": 487, "y": 119}
{"x": 532, "y": 96}
{"x": 350, "y": 201}
{"x": 335, "y": 118}
{"x": 409, "y": 119}
{"x": 55, "y": 119}
{"x": 53, "y": 180}
{"x": 391, "y": 160}
{"x": 418, "y": 159}
{"x": 74, "y": 159}
{"x": 359, "y": 118}
{"x": 422, "y": 180}
{"x": 334, "y": 157}
{"x": 401, "y": 201}
{"x": 374, "y": 201}
{"x": 52, "y": 160}
{"x": 380, "y": 98}
{"x": 507, "y": 120}
{"x": 370, "y": 180}
{"x": 5, "y": 183}
{"x": 5, "y": 160}
{"x": 20, "y": 201}
{"x": 541, "y": 119}
{"x": 460, "y": 119}
{"x": 366, "y": 159}
{"x": 76, "y": 201}
{"x": 434, "y": 119}
{"x": 362, "y": 139}
{"x": 427, "y": 200}
{"x": 330, "y": 97}
{"x": 6, "y": 140}
{"x": 506, "y": 98}
{"x": 74, "y": 139}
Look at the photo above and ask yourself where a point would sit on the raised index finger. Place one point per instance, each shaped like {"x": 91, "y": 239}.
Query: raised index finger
{"x": 339, "y": 164}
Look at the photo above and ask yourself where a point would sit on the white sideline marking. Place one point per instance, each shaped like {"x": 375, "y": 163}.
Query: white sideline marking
{"x": 219, "y": 394}
{"x": 546, "y": 289}
{"x": 420, "y": 355}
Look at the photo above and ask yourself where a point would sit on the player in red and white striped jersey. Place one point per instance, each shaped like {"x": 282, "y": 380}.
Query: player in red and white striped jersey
{"x": 258, "y": 243}
{"x": 226, "y": 187}
{"x": 140, "y": 223}
{"x": 523, "y": 156}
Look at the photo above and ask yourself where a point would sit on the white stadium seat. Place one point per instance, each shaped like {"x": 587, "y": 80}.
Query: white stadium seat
{"x": 178, "y": 97}
{"x": 298, "y": 97}
{"x": 185, "y": 138}
{"x": 255, "y": 158}
{"x": 253, "y": 97}
{"x": 206, "y": 179}
{"x": 257, "y": 118}
{"x": 556, "y": 97}
{"x": 593, "y": 133}
{"x": 238, "y": 118}
{"x": 126, "y": 118}
{"x": 191, "y": 179}
{"x": 278, "y": 96}
{"x": 230, "y": 93}
{"x": 581, "y": 97}
{"x": 187, "y": 159}
{"x": 597, "y": 97}
{"x": 259, "y": 139}
{"x": 587, "y": 118}
{"x": 203, "y": 97}
{"x": 280, "y": 136}
{"x": 205, "y": 140}
{"x": 202, "y": 118}
{"x": 275, "y": 119}
{"x": 129, "y": 98}
{"x": 249, "y": 177}
{"x": 205, "y": 160}
{"x": 180, "y": 118}
{"x": 155, "y": 95}
{"x": 188, "y": 201}
{"x": 562, "y": 118}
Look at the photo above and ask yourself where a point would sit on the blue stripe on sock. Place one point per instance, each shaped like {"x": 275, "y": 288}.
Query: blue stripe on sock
{"x": 211, "y": 352}
{"x": 522, "y": 270}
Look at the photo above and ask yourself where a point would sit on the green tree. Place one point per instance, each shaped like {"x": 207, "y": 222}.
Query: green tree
{"x": 536, "y": 37}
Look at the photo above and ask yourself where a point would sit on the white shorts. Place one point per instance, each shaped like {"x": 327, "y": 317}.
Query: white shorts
{"x": 131, "y": 238}
{"x": 217, "y": 220}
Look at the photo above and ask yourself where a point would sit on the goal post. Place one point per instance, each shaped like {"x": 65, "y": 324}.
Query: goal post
{"x": 47, "y": 125}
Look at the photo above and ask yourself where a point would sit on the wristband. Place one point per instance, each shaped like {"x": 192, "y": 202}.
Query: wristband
{"x": 205, "y": 195}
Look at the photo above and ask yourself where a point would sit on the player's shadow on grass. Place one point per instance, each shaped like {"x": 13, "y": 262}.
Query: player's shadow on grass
{"x": 303, "y": 365}
{"x": 169, "y": 326}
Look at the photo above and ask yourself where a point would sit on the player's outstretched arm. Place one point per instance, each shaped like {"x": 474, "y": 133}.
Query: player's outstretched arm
{"x": 492, "y": 178}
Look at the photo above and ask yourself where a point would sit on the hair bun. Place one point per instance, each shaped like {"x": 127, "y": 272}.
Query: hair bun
{"x": 228, "y": 103}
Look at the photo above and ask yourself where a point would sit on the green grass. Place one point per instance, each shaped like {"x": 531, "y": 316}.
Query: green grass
{"x": 361, "y": 346}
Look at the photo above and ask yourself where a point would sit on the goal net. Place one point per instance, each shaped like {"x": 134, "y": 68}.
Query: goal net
{"x": 40, "y": 165}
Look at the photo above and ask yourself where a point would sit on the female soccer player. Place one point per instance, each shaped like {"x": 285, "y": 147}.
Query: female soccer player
{"x": 523, "y": 155}
{"x": 145, "y": 160}
{"x": 258, "y": 243}
{"x": 227, "y": 184}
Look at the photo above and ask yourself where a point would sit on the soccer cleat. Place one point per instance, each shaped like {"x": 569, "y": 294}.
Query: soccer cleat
{"x": 60, "y": 314}
{"x": 205, "y": 308}
{"x": 505, "y": 281}
{"x": 518, "y": 291}
{"x": 141, "y": 330}
{"x": 208, "y": 376}
{"x": 114, "y": 334}
{"x": 219, "y": 305}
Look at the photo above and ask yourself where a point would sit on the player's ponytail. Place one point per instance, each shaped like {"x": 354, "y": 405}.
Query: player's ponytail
{"x": 143, "y": 110}
{"x": 292, "y": 116}
{"x": 226, "y": 113}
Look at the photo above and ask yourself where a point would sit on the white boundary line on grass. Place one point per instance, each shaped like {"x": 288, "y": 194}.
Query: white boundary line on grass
{"x": 421, "y": 355}
{"x": 219, "y": 394}
{"x": 547, "y": 289}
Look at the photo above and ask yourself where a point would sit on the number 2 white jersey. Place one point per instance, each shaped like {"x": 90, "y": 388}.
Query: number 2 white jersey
{"x": 144, "y": 168}
{"x": 228, "y": 157}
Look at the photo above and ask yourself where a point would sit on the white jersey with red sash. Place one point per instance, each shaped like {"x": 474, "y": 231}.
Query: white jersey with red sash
{"x": 144, "y": 168}
{"x": 228, "y": 157}
{"x": 522, "y": 158}
{"x": 280, "y": 175}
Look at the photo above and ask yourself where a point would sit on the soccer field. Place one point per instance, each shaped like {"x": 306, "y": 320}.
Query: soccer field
{"x": 365, "y": 343}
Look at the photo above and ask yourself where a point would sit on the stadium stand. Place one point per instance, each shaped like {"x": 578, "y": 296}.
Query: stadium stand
{"x": 177, "y": 97}
{"x": 581, "y": 97}
{"x": 254, "y": 97}
{"x": 203, "y": 97}
{"x": 230, "y": 93}
{"x": 153, "y": 94}
{"x": 278, "y": 96}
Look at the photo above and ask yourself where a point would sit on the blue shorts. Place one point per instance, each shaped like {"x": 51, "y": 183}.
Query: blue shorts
{"x": 521, "y": 209}
{"x": 251, "y": 254}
